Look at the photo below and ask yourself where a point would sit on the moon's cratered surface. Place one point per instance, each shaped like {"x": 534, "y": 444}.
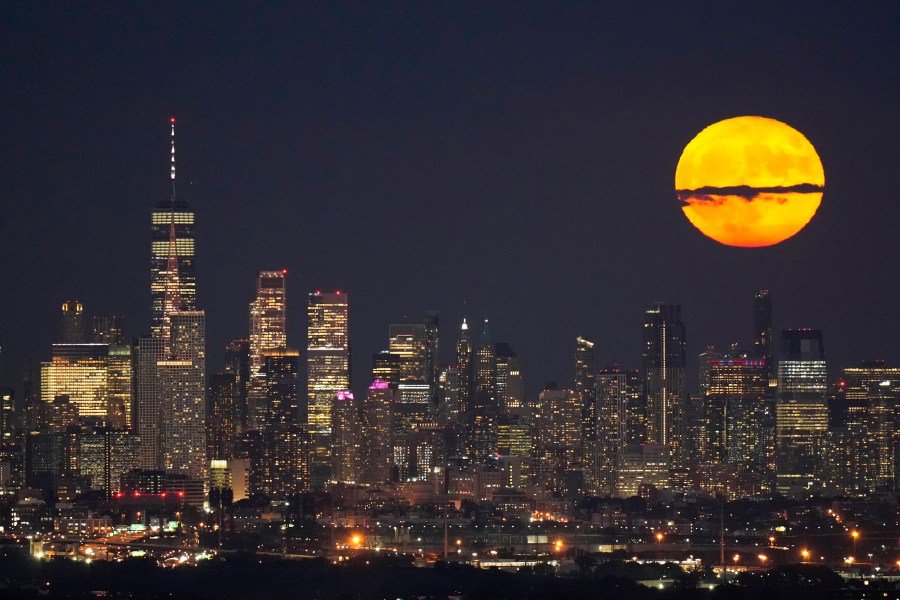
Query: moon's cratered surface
{"x": 749, "y": 181}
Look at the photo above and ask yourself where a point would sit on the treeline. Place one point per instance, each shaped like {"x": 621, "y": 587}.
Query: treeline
{"x": 247, "y": 576}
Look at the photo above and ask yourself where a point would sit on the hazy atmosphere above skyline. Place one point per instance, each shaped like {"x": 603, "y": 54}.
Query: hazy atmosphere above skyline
{"x": 507, "y": 160}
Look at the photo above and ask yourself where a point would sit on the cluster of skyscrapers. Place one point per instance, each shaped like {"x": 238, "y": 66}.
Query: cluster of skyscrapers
{"x": 112, "y": 415}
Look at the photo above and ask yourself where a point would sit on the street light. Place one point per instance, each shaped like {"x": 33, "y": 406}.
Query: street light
{"x": 736, "y": 558}
{"x": 805, "y": 554}
{"x": 659, "y": 539}
{"x": 771, "y": 541}
{"x": 855, "y": 535}
{"x": 763, "y": 558}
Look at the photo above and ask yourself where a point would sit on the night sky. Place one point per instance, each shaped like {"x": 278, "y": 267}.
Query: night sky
{"x": 500, "y": 159}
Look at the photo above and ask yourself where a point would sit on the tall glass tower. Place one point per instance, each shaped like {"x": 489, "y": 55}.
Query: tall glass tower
{"x": 328, "y": 372}
{"x": 801, "y": 415}
{"x": 664, "y": 370}
{"x": 267, "y": 317}
{"x": 173, "y": 284}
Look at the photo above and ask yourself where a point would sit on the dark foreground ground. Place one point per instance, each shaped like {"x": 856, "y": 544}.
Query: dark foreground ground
{"x": 248, "y": 577}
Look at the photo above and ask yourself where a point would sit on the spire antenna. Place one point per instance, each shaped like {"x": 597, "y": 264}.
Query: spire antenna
{"x": 172, "y": 168}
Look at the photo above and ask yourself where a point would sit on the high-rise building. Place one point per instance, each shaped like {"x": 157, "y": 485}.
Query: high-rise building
{"x": 510, "y": 384}
{"x": 412, "y": 406}
{"x": 182, "y": 396}
{"x": 109, "y": 330}
{"x": 584, "y": 387}
{"x": 481, "y": 419}
{"x": 733, "y": 413}
{"x": 345, "y": 438}
{"x": 281, "y": 371}
{"x": 376, "y": 433}
{"x": 762, "y": 329}
{"x": 868, "y": 446}
{"x": 268, "y": 312}
{"x": 150, "y": 351}
{"x": 612, "y": 427}
{"x": 664, "y": 371}
{"x": 237, "y": 362}
{"x": 7, "y": 414}
{"x": 464, "y": 380}
{"x": 636, "y": 408}
{"x": 432, "y": 345}
{"x": 410, "y": 344}
{"x": 104, "y": 456}
{"x": 72, "y": 323}
{"x": 706, "y": 357}
{"x": 557, "y": 436}
{"x": 285, "y": 471}
{"x": 640, "y": 468}
{"x": 221, "y": 417}
{"x": 801, "y": 412}
{"x": 328, "y": 372}
{"x": 172, "y": 278}
{"x": 95, "y": 377}
{"x": 267, "y": 331}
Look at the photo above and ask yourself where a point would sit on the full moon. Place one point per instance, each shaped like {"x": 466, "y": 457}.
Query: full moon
{"x": 749, "y": 181}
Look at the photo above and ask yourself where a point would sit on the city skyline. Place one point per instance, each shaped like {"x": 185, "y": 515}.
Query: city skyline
{"x": 454, "y": 300}
{"x": 173, "y": 222}
{"x": 554, "y": 160}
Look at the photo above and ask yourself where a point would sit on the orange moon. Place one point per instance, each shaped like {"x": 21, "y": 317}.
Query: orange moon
{"x": 749, "y": 181}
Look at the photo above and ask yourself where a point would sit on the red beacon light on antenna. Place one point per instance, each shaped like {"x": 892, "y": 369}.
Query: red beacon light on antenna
{"x": 172, "y": 120}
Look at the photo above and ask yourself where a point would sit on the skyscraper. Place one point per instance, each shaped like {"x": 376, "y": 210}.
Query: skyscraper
{"x": 267, "y": 331}
{"x": 109, "y": 330}
{"x": 557, "y": 436}
{"x": 510, "y": 385}
{"x": 432, "y": 345}
{"x": 408, "y": 343}
{"x": 221, "y": 416}
{"x": 94, "y": 377}
{"x": 871, "y": 391}
{"x": 72, "y": 323}
{"x": 345, "y": 438}
{"x": 801, "y": 411}
{"x": 172, "y": 278}
{"x": 281, "y": 368}
{"x": 268, "y": 317}
{"x": 182, "y": 396}
{"x": 150, "y": 351}
{"x": 284, "y": 442}
{"x": 664, "y": 371}
{"x": 237, "y": 361}
{"x": 584, "y": 387}
{"x": 481, "y": 419}
{"x": 328, "y": 372}
{"x": 376, "y": 433}
{"x": 611, "y": 428}
{"x": 464, "y": 370}
{"x": 762, "y": 329}
{"x": 734, "y": 407}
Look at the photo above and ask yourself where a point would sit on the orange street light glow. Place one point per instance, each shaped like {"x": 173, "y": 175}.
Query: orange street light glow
{"x": 749, "y": 181}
